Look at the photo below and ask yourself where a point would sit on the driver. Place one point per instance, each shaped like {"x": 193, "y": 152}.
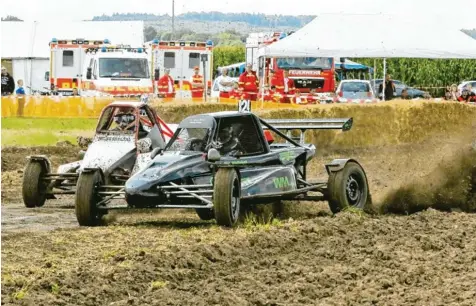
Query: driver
{"x": 125, "y": 121}
{"x": 230, "y": 145}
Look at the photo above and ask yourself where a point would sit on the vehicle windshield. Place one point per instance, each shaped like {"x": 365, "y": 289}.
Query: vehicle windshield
{"x": 190, "y": 139}
{"x": 305, "y": 62}
{"x": 355, "y": 90}
{"x": 123, "y": 68}
{"x": 118, "y": 119}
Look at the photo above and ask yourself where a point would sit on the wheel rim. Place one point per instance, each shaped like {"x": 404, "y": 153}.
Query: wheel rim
{"x": 353, "y": 189}
{"x": 235, "y": 200}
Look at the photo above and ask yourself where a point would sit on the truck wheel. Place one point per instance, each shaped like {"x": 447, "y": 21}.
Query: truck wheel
{"x": 205, "y": 214}
{"x": 226, "y": 197}
{"x": 34, "y": 188}
{"x": 87, "y": 198}
{"x": 348, "y": 188}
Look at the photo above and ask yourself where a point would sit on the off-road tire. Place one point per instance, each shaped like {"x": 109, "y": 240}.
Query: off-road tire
{"x": 86, "y": 199}
{"x": 34, "y": 189}
{"x": 205, "y": 214}
{"x": 226, "y": 197}
{"x": 348, "y": 188}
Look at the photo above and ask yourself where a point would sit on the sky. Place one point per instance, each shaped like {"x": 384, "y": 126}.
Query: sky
{"x": 455, "y": 13}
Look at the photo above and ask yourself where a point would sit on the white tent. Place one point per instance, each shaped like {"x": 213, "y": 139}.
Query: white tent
{"x": 26, "y": 44}
{"x": 372, "y": 36}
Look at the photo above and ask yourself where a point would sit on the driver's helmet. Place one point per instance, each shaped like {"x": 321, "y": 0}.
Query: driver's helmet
{"x": 225, "y": 134}
{"x": 123, "y": 119}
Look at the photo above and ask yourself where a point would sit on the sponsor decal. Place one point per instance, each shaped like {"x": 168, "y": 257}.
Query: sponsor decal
{"x": 305, "y": 72}
{"x": 239, "y": 162}
{"x": 286, "y": 156}
{"x": 281, "y": 182}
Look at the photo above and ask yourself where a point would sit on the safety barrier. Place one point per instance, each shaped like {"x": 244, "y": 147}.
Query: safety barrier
{"x": 90, "y": 107}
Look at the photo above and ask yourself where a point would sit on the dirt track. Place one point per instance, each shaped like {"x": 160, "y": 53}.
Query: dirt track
{"x": 171, "y": 258}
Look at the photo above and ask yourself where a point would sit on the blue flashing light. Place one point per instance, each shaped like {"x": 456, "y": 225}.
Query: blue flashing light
{"x": 155, "y": 41}
{"x": 139, "y": 50}
{"x": 209, "y": 43}
{"x": 54, "y": 40}
{"x": 106, "y": 41}
{"x": 283, "y": 35}
{"x": 103, "y": 49}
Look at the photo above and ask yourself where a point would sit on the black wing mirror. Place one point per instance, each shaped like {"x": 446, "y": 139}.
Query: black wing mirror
{"x": 47, "y": 76}
{"x": 89, "y": 73}
{"x": 156, "y": 74}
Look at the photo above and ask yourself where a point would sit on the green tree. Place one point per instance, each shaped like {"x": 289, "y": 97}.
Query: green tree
{"x": 149, "y": 33}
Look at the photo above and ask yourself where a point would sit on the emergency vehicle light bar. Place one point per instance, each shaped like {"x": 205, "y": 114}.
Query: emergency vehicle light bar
{"x": 185, "y": 43}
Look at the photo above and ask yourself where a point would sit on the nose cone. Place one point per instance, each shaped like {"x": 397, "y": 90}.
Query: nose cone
{"x": 137, "y": 186}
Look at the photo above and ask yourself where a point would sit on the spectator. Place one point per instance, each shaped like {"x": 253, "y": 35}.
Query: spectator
{"x": 225, "y": 84}
{"x": 8, "y": 84}
{"x": 289, "y": 88}
{"x": 389, "y": 88}
{"x": 166, "y": 85}
{"x": 75, "y": 92}
{"x": 20, "y": 90}
{"x": 467, "y": 96}
{"x": 405, "y": 95}
{"x": 249, "y": 83}
{"x": 197, "y": 83}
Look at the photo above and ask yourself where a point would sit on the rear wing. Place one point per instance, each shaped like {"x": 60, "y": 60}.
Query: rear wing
{"x": 303, "y": 125}
{"x": 343, "y": 124}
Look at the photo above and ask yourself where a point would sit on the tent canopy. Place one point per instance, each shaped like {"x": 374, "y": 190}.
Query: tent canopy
{"x": 351, "y": 65}
{"x": 31, "y": 39}
{"x": 372, "y": 36}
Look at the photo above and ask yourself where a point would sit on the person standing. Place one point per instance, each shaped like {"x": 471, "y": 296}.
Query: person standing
{"x": 166, "y": 85}
{"x": 249, "y": 83}
{"x": 20, "y": 90}
{"x": 389, "y": 88}
{"x": 225, "y": 84}
{"x": 197, "y": 83}
{"x": 8, "y": 84}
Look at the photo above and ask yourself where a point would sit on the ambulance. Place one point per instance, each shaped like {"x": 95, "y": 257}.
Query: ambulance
{"x": 308, "y": 73}
{"x": 97, "y": 68}
{"x": 180, "y": 57}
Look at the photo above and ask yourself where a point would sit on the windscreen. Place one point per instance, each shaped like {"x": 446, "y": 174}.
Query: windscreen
{"x": 305, "y": 63}
{"x": 355, "y": 90}
{"x": 123, "y": 68}
{"x": 190, "y": 139}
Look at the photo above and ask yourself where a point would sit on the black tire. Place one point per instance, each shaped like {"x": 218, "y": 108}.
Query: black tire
{"x": 34, "y": 189}
{"x": 348, "y": 188}
{"x": 205, "y": 214}
{"x": 86, "y": 199}
{"x": 226, "y": 197}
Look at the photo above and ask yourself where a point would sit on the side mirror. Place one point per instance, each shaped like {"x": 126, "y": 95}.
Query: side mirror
{"x": 89, "y": 73}
{"x": 143, "y": 145}
{"x": 156, "y": 74}
{"x": 213, "y": 155}
{"x": 47, "y": 76}
{"x": 155, "y": 152}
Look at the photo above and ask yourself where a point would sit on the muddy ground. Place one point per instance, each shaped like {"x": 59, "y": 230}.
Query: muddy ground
{"x": 307, "y": 258}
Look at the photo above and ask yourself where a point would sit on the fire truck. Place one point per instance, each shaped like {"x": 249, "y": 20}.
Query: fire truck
{"x": 180, "y": 57}
{"x": 95, "y": 67}
{"x": 308, "y": 73}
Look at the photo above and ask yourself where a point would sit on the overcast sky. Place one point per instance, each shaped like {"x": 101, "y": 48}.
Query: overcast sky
{"x": 454, "y": 13}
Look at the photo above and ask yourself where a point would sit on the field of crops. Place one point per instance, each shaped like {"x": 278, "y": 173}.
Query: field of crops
{"x": 414, "y": 246}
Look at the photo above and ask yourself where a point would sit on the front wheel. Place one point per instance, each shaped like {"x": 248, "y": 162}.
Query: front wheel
{"x": 34, "y": 186}
{"x": 226, "y": 197}
{"x": 348, "y": 188}
{"x": 87, "y": 212}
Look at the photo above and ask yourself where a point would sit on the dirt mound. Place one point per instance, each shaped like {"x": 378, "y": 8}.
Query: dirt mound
{"x": 14, "y": 158}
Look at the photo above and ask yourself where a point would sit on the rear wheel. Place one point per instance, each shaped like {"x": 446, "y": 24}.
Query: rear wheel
{"x": 226, "y": 197}
{"x": 34, "y": 187}
{"x": 205, "y": 214}
{"x": 348, "y": 188}
{"x": 87, "y": 198}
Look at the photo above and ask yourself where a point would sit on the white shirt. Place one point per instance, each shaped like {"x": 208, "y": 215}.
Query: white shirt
{"x": 227, "y": 79}
{"x": 171, "y": 86}
{"x": 286, "y": 89}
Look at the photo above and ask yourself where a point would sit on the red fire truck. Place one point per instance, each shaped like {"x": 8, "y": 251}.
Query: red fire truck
{"x": 308, "y": 73}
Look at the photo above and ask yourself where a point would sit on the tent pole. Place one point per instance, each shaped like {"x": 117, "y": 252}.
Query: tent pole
{"x": 384, "y": 74}
{"x": 375, "y": 72}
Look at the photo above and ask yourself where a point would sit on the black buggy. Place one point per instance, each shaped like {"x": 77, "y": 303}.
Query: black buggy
{"x": 218, "y": 163}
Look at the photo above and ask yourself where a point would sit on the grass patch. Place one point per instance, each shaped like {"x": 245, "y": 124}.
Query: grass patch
{"x": 51, "y": 124}
{"x": 44, "y": 131}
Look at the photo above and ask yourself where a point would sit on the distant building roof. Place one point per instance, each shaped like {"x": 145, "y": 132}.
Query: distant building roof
{"x": 31, "y": 39}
